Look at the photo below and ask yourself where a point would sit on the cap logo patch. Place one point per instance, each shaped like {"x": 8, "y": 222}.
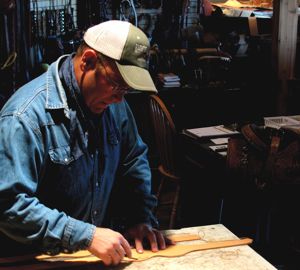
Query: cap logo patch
{"x": 140, "y": 48}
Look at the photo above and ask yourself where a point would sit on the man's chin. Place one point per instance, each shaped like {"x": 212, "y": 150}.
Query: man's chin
{"x": 98, "y": 111}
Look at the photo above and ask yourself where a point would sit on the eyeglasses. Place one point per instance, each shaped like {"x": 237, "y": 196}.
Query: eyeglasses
{"x": 117, "y": 88}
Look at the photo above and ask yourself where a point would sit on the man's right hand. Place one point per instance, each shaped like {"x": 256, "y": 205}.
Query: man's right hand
{"x": 110, "y": 246}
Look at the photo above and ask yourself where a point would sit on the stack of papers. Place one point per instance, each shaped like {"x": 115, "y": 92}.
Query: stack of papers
{"x": 169, "y": 79}
{"x": 213, "y": 131}
{"x": 281, "y": 121}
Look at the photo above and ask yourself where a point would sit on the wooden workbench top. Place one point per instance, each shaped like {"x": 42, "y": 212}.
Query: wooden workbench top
{"x": 240, "y": 257}
{"x": 229, "y": 258}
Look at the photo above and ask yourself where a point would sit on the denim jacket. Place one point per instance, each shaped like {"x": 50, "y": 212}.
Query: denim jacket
{"x": 54, "y": 189}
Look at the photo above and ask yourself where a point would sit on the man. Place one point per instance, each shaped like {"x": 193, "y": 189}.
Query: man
{"x": 73, "y": 169}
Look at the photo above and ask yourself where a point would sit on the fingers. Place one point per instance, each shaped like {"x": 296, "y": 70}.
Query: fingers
{"x": 145, "y": 232}
{"x": 160, "y": 240}
{"x": 168, "y": 241}
{"x": 126, "y": 248}
{"x": 139, "y": 245}
{"x": 154, "y": 237}
{"x": 142, "y": 232}
{"x": 107, "y": 260}
{"x": 114, "y": 256}
{"x": 110, "y": 246}
{"x": 153, "y": 240}
{"x": 119, "y": 251}
{"x": 117, "y": 255}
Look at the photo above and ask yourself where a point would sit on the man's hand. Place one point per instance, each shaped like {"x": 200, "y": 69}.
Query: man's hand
{"x": 143, "y": 231}
{"x": 109, "y": 246}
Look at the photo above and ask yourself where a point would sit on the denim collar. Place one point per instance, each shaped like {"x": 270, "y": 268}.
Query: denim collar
{"x": 56, "y": 96}
{"x": 71, "y": 87}
{"x": 61, "y": 78}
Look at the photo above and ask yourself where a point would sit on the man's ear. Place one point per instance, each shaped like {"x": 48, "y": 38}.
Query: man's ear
{"x": 89, "y": 60}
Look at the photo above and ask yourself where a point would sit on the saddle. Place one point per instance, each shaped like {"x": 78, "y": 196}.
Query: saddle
{"x": 266, "y": 156}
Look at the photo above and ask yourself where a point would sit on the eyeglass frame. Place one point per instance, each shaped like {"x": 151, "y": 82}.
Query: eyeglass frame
{"x": 117, "y": 88}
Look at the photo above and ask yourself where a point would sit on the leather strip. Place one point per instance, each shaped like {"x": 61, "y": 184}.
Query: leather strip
{"x": 171, "y": 251}
{"x": 82, "y": 257}
{"x": 180, "y": 250}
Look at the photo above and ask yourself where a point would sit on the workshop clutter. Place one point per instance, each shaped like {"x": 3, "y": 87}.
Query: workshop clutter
{"x": 183, "y": 67}
{"x": 53, "y": 32}
{"x": 169, "y": 79}
{"x": 201, "y": 50}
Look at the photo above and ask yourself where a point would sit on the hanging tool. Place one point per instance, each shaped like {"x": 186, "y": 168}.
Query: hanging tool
{"x": 103, "y": 7}
{"x": 127, "y": 10}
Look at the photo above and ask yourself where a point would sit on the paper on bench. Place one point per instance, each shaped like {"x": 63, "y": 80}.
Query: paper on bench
{"x": 213, "y": 131}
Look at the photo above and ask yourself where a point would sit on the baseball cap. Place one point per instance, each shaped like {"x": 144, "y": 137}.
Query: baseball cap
{"x": 128, "y": 46}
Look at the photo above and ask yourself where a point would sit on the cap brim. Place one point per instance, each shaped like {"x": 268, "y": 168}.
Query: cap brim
{"x": 137, "y": 78}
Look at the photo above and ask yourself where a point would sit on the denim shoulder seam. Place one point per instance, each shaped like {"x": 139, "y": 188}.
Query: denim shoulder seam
{"x": 35, "y": 128}
{"x": 29, "y": 101}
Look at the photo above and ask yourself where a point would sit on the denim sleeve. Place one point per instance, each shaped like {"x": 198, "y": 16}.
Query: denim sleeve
{"x": 135, "y": 174}
{"x": 22, "y": 216}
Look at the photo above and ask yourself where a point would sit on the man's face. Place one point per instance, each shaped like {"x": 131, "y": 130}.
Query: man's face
{"x": 102, "y": 86}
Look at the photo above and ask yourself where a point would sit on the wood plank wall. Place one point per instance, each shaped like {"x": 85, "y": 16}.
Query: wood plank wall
{"x": 285, "y": 19}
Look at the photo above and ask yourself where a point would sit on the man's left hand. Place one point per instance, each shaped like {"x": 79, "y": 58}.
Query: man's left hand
{"x": 141, "y": 232}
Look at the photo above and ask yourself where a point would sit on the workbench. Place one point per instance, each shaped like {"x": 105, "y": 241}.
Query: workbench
{"x": 230, "y": 258}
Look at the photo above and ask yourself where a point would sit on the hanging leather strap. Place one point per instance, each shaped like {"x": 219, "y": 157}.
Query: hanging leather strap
{"x": 252, "y": 22}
